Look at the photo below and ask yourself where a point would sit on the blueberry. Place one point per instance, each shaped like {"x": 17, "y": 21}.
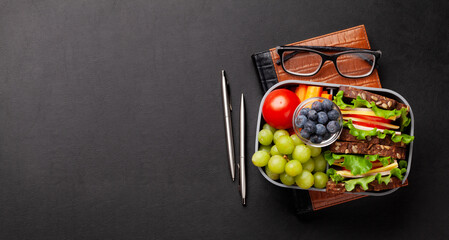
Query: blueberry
{"x": 320, "y": 129}
{"x": 314, "y": 121}
{"x": 304, "y": 111}
{"x": 316, "y": 139}
{"x": 312, "y": 115}
{"x": 317, "y": 106}
{"x": 333, "y": 114}
{"x": 305, "y": 134}
{"x": 310, "y": 126}
{"x": 333, "y": 126}
{"x": 327, "y": 135}
{"x": 322, "y": 117}
{"x": 300, "y": 121}
{"x": 327, "y": 105}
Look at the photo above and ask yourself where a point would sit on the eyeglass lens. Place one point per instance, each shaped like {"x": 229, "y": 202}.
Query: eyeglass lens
{"x": 301, "y": 62}
{"x": 355, "y": 64}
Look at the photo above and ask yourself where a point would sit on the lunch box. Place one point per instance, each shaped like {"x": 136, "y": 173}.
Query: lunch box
{"x": 333, "y": 89}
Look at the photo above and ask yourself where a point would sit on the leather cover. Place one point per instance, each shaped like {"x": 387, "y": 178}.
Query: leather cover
{"x": 270, "y": 73}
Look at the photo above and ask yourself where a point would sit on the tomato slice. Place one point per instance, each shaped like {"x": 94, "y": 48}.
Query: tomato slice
{"x": 370, "y": 118}
{"x": 376, "y": 164}
{"x": 364, "y": 112}
{"x": 365, "y": 124}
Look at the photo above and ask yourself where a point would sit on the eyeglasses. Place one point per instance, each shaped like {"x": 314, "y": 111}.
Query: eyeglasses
{"x": 307, "y": 60}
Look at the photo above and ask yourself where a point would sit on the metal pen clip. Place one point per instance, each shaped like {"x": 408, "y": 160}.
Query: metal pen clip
{"x": 227, "y": 90}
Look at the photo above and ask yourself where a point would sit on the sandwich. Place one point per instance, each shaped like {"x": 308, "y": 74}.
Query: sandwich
{"x": 371, "y": 152}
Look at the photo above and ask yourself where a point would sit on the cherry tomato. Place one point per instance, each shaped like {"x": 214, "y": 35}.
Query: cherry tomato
{"x": 278, "y": 108}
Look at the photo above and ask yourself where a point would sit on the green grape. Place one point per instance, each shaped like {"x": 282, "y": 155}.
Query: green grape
{"x": 268, "y": 127}
{"x": 296, "y": 139}
{"x": 274, "y": 151}
{"x": 276, "y": 164}
{"x": 279, "y": 133}
{"x": 293, "y": 168}
{"x": 309, "y": 165}
{"x": 304, "y": 180}
{"x": 265, "y": 148}
{"x": 285, "y": 144}
{"x": 270, "y": 174}
{"x": 320, "y": 179}
{"x": 301, "y": 153}
{"x": 320, "y": 163}
{"x": 260, "y": 158}
{"x": 314, "y": 151}
{"x": 287, "y": 179}
{"x": 265, "y": 137}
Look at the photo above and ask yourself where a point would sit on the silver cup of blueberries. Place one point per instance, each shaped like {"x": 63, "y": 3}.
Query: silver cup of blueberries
{"x": 318, "y": 122}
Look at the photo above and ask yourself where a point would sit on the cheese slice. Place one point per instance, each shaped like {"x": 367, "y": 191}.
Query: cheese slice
{"x": 386, "y": 125}
{"x": 362, "y": 111}
{"x": 370, "y": 128}
{"x": 382, "y": 170}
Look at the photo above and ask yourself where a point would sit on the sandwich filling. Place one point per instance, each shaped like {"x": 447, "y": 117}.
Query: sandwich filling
{"x": 371, "y": 150}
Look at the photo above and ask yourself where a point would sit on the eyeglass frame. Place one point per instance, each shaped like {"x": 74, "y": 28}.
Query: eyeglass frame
{"x": 326, "y": 57}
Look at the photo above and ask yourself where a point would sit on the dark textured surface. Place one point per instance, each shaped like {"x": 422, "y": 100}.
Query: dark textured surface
{"x": 111, "y": 121}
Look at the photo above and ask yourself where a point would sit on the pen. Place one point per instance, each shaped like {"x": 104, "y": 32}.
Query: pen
{"x": 242, "y": 176}
{"x": 227, "y": 107}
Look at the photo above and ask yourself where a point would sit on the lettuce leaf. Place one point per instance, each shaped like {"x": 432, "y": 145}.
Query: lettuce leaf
{"x": 329, "y": 157}
{"x": 362, "y": 134}
{"x": 381, "y": 179}
{"x": 338, "y": 100}
{"x": 384, "y": 160}
{"x": 359, "y": 102}
{"x": 402, "y": 164}
{"x": 405, "y": 121}
{"x": 332, "y": 173}
{"x": 397, "y": 173}
{"x": 357, "y": 164}
{"x": 401, "y": 138}
{"x": 363, "y": 182}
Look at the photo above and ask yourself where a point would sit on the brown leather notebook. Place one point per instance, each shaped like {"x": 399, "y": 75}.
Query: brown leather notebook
{"x": 352, "y": 37}
{"x": 271, "y": 73}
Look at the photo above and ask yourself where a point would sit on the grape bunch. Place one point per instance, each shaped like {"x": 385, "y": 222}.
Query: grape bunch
{"x": 288, "y": 159}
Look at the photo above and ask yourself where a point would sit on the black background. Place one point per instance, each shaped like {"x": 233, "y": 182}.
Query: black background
{"x": 111, "y": 123}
